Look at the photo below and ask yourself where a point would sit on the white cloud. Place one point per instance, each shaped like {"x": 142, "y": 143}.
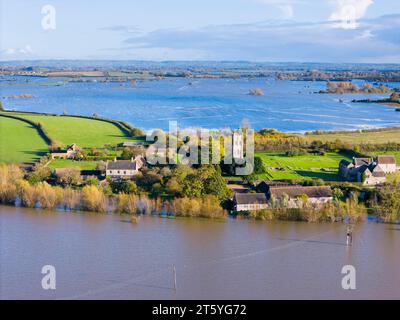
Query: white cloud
{"x": 17, "y": 53}
{"x": 275, "y": 41}
{"x": 27, "y": 50}
{"x": 347, "y": 12}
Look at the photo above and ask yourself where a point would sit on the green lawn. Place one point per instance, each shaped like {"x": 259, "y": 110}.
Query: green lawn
{"x": 65, "y": 163}
{"x": 19, "y": 142}
{"x": 354, "y": 137}
{"x": 83, "y": 132}
{"x": 301, "y": 167}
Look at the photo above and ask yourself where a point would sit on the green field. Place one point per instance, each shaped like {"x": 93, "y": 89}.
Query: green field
{"x": 65, "y": 163}
{"x": 84, "y": 132}
{"x": 19, "y": 142}
{"x": 281, "y": 167}
{"x": 356, "y": 137}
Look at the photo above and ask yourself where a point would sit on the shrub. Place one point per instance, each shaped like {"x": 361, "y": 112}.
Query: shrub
{"x": 27, "y": 194}
{"x": 94, "y": 199}
{"x": 127, "y": 203}
{"x": 48, "y": 197}
{"x": 71, "y": 199}
{"x": 207, "y": 206}
{"x": 10, "y": 173}
{"x": 8, "y": 193}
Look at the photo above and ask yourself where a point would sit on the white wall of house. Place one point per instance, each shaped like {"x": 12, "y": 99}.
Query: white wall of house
{"x": 373, "y": 181}
{"x": 388, "y": 168}
{"x": 296, "y": 203}
{"x": 251, "y": 206}
{"x": 121, "y": 173}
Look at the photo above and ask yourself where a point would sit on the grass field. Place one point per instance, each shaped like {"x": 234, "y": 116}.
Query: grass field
{"x": 84, "y": 132}
{"x": 19, "y": 142}
{"x": 355, "y": 137}
{"x": 281, "y": 167}
{"x": 65, "y": 163}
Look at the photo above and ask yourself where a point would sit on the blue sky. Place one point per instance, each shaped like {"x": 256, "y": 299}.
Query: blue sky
{"x": 255, "y": 30}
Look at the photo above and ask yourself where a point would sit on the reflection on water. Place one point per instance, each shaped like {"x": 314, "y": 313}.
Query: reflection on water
{"x": 102, "y": 256}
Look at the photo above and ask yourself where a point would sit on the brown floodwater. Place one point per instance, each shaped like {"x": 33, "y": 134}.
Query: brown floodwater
{"x": 106, "y": 256}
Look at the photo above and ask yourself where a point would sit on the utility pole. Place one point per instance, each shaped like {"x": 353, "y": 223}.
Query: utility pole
{"x": 174, "y": 271}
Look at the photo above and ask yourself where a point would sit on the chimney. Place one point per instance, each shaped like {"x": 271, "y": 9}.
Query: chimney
{"x": 115, "y": 159}
{"x": 131, "y": 159}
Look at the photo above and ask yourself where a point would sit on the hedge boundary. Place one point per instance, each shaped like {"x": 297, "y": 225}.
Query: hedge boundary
{"x": 125, "y": 127}
{"x": 42, "y": 133}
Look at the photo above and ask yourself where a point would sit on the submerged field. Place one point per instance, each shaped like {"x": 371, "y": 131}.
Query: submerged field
{"x": 19, "y": 142}
{"x": 83, "y": 132}
{"x": 281, "y": 167}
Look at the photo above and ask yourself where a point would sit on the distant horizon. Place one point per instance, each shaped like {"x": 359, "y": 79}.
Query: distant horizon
{"x": 195, "y": 61}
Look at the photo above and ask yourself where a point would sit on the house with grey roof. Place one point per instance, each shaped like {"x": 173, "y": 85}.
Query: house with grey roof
{"x": 294, "y": 196}
{"x": 283, "y": 196}
{"x": 250, "y": 201}
{"x": 120, "y": 169}
{"x": 369, "y": 171}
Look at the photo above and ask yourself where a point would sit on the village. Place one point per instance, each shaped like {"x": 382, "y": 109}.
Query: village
{"x": 259, "y": 195}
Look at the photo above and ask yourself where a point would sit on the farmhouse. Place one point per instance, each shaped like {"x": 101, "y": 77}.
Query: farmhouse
{"x": 387, "y": 163}
{"x": 250, "y": 201}
{"x": 293, "y": 196}
{"x": 69, "y": 153}
{"x": 118, "y": 169}
{"x": 369, "y": 171}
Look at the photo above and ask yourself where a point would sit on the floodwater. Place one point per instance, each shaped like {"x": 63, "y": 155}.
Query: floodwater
{"x": 105, "y": 256}
{"x": 209, "y": 103}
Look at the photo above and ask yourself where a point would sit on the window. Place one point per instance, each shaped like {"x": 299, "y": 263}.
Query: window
{"x": 124, "y": 172}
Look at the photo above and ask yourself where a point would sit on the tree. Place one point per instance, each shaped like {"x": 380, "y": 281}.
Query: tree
{"x": 39, "y": 173}
{"x": 69, "y": 177}
{"x": 207, "y": 180}
{"x": 137, "y": 132}
{"x": 173, "y": 187}
{"x": 92, "y": 181}
{"x": 249, "y": 179}
{"x": 132, "y": 152}
{"x": 215, "y": 184}
{"x": 56, "y": 145}
{"x": 125, "y": 186}
{"x": 389, "y": 202}
{"x": 258, "y": 166}
{"x": 1, "y": 106}
{"x": 337, "y": 194}
{"x": 192, "y": 187}
{"x": 156, "y": 189}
